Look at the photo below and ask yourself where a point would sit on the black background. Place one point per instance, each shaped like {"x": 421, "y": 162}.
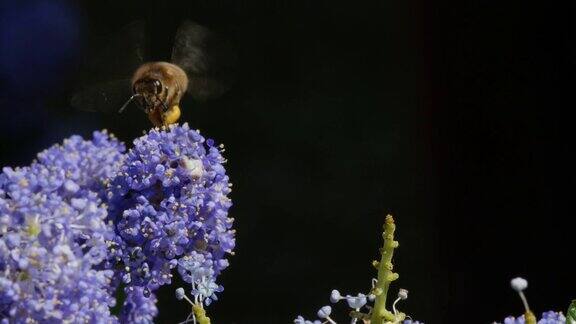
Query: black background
{"x": 454, "y": 117}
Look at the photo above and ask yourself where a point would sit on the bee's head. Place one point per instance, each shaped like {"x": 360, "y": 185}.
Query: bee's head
{"x": 150, "y": 93}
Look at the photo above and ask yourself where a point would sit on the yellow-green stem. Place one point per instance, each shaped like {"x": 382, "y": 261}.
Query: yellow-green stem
{"x": 200, "y": 314}
{"x": 385, "y": 274}
{"x": 529, "y": 317}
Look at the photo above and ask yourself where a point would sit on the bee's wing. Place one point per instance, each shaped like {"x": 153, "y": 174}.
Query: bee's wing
{"x": 118, "y": 55}
{"x": 107, "y": 67}
{"x": 207, "y": 59}
{"x": 105, "y": 96}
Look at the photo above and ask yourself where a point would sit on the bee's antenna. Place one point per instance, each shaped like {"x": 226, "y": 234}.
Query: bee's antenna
{"x": 128, "y": 101}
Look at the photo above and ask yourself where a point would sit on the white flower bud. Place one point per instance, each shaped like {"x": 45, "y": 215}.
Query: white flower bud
{"x": 519, "y": 284}
{"x": 324, "y": 312}
{"x": 335, "y": 296}
{"x": 180, "y": 293}
{"x": 403, "y": 294}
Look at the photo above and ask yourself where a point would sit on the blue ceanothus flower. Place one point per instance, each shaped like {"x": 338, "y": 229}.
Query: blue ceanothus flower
{"x": 87, "y": 165}
{"x": 550, "y": 317}
{"x": 169, "y": 202}
{"x": 84, "y": 217}
{"x": 54, "y": 237}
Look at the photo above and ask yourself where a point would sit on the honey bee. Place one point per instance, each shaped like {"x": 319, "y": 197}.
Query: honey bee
{"x": 158, "y": 88}
{"x": 201, "y": 65}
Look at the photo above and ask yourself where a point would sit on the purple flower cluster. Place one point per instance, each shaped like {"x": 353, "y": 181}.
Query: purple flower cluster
{"x": 53, "y": 235}
{"x": 170, "y": 206}
{"x": 85, "y": 217}
{"x": 550, "y": 317}
{"x": 87, "y": 165}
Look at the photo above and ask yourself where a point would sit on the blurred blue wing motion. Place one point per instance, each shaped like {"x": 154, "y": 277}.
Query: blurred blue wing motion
{"x": 107, "y": 67}
{"x": 104, "y": 96}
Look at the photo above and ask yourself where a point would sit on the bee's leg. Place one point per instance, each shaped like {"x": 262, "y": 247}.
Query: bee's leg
{"x": 156, "y": 117}
{"x": 164, "y": 105}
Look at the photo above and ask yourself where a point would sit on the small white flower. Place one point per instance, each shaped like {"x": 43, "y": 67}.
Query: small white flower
{"x": 71, "y": 186}
{"x": 194, "y": 167}
{"x": 356, "y": 302}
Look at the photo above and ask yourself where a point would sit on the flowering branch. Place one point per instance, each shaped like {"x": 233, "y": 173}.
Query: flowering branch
{"x": 385, "y": 276}
{"x": 376, "y": 314}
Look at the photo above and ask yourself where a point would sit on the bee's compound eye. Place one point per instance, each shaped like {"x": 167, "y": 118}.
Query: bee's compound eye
{"x": 158, "y": 86}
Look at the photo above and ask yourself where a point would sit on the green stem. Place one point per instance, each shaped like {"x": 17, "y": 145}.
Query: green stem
{"x": 571, "y": 313}
{"x": 529, "y": 317}
{"x": 200, "y": 314}
{"x": 385, "y": 274}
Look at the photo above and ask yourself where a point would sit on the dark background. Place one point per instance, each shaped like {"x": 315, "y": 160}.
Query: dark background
{"x": 454, "y": 117}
